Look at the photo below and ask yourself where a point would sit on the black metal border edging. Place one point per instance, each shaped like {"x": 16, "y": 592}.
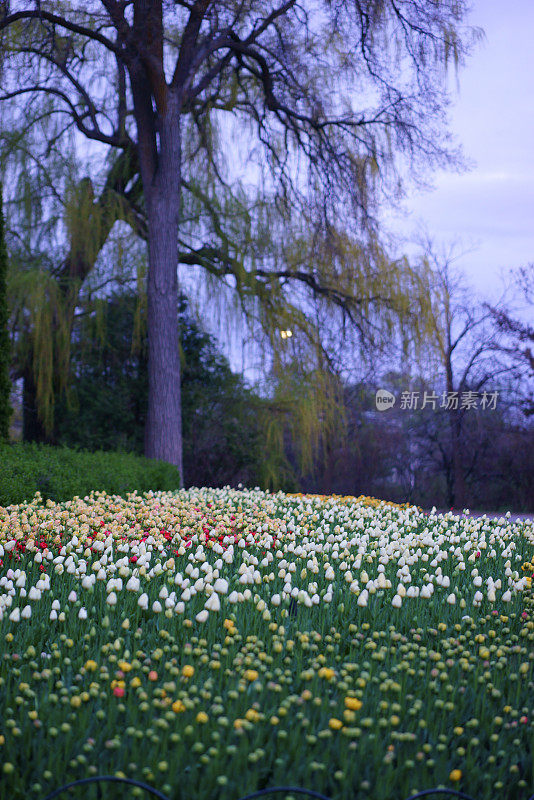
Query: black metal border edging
{"x": 294, "y": 789}
{"x": 108, "y": 779}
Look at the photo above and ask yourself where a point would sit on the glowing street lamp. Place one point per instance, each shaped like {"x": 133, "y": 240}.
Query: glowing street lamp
{"x": 286, "y": 334}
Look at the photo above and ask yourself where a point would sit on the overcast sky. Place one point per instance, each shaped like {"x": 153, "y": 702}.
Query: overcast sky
{"x": 490, "y": 209}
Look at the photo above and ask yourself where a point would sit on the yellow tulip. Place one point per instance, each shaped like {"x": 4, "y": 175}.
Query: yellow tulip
{"x": 326, "y": 672}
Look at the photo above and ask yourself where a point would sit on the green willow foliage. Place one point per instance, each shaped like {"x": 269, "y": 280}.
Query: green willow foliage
{"x": 5, "y": 383}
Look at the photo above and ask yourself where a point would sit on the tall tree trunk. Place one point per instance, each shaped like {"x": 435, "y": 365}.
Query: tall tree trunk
{"x": 32, "y": 427}
{"x": 163, "y": 436}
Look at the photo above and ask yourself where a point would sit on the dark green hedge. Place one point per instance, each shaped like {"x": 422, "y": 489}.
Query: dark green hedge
{"x": 61, "y": 474}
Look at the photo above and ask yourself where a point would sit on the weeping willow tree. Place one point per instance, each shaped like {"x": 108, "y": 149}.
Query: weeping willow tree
{"x": 329, "y": 96}
{"x": 265, "y": 273}
{"x": 5, "y": 382}
{"x": 57, "y": 230}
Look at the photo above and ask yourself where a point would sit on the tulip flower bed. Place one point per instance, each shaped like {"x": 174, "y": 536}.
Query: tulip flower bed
{"x": 213, "y": 642}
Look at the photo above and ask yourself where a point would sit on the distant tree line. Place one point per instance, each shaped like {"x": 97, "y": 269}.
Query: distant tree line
{"x": 407, "y": 455}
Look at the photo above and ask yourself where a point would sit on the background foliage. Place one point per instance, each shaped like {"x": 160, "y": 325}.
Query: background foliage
{"x": 5, "y": 354}
{"x": 105, "y": 407}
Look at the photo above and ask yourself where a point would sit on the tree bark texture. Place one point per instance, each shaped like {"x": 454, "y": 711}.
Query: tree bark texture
{"x": 163, "y": 438}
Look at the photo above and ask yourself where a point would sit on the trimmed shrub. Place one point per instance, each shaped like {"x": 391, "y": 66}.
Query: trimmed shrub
{"x": 59, "y": 473}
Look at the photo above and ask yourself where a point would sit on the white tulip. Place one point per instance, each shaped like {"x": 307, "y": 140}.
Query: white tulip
{"x": 143, "y": 601}
{"x": 213, "y": 603}
{"x": 362, "y": 599}
{"x": 15, "y": 614}
{"x": 397, "y": 601}
{"x": 82, "y": 613}
{"x": 202, "y": 615}
{"x": 133, "y": 584}
{"x": 451, "y": 599}
{"x": 221, "y": 586}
